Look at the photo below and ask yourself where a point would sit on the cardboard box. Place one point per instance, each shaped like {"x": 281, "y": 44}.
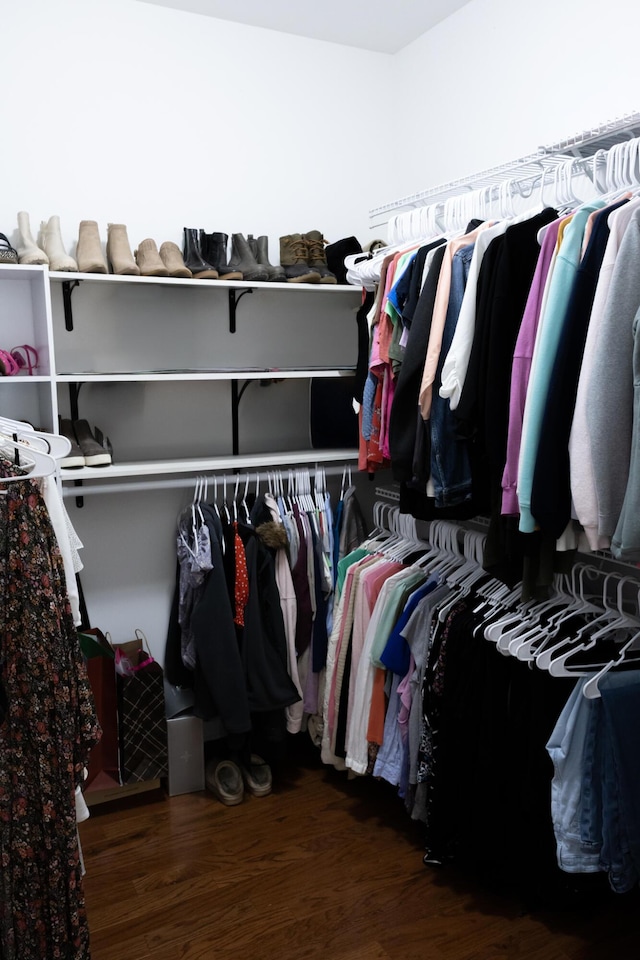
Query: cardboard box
{"x": 186, "y": 755}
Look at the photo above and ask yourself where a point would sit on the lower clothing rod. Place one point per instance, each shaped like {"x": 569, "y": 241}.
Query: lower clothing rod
{"x": 179, "y": 483}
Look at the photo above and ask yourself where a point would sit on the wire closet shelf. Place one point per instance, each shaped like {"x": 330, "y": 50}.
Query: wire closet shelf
{"x": 588, "y": 150}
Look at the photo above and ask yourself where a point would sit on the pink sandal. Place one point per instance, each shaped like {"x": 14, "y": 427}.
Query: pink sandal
{"x": 13, "y": 361}
{"x": 29, "y": 360}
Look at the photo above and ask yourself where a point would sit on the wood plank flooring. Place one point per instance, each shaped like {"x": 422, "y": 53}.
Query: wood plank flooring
{"x": 322, "y": 869}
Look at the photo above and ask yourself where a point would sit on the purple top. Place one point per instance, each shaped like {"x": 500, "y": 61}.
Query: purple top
{"x": 522, "y": 357}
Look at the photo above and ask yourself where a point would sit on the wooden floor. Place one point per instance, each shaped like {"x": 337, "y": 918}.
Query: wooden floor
{"x": 323, "y": 869}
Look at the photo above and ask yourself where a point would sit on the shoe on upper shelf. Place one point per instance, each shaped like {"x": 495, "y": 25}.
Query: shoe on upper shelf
{"x": 171, "y": 256}
{"x": 28, "y": 250}
{"x": 260, "y": 249}
{"x": 194, "y": 258}
{"x": 293, "y": 257}
{"x": 89, "y": 255}
{"x": 242, "y": 259}
{"x": 149, "y": 260}
{"x": 50, "y": 240}
{"x": 213, "y": 247}
{"x": 316, "y": 256}
{"x": 119, "y": 252}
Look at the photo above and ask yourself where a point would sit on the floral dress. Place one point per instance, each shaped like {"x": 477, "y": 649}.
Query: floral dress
{"x": 47, "y": 728}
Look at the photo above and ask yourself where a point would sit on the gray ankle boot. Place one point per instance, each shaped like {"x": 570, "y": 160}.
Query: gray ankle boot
{"x": 243, "y": 260}
{"x": 260, "y": 250}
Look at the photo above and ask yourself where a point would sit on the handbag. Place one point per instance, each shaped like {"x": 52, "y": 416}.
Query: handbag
{"x": 7, "y": 253}
{"x": 103, "y": 760}
{"x": 142, "y": 724}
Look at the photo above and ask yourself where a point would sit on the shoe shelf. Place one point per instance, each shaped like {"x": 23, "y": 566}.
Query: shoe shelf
{"x": 156, "y": 343}
{"x": 316, "y": 288}
{"x": 240, "y": 373}
{"x": 150, "y": 368}
{"x": 23, "y": 378}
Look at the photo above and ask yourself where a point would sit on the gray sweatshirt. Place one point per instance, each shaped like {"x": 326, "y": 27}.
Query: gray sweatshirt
{"x": 626, "y": 540}
{"x": 611, "y": 384}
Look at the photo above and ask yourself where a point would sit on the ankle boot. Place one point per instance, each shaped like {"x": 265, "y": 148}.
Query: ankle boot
{"x": 316, "y": 257}
{"x": 51, "y": 239}
{"x": 242, "y": 259}
{"x": 89, "y": 250}
{"x": 293, "y": 257}
{"x": 149, "y": 261}
{"x": 171, "y": 256}
{"x": 28, "y": 250}
{"x": 193, "y": 257}
{"x": 260, "y": 250}
{"x": 119, "y": 252}
{"x": 214, "y": 251}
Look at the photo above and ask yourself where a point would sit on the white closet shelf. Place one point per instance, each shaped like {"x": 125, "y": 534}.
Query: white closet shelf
{"x": 25, "y": 378}
{"x": 315, "y": 288}
{"x": 249, "y": 461}
{"x": 230, "y": 373}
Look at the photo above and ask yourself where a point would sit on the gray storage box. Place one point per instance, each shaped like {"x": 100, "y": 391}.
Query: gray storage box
{"x": 186, "y": 755}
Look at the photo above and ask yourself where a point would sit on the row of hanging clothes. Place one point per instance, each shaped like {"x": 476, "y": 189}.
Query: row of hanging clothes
{"x": 253, "y": 605}
{"x": 508, "y": 726}
{"x": 503, "y": 357}
{"x": 48, "y": 722}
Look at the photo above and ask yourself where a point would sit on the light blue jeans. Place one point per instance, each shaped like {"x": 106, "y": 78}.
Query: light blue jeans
{"x": 566, "y": 749}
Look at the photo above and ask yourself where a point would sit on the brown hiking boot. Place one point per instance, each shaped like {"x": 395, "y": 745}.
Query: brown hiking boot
{"x": 316, "y": 257}
{"x": 293, "y": 257}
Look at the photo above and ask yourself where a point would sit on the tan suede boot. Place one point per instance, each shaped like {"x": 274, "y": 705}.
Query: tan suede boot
{"x": 28, "y": 250}
{"x": 148, "y": 259}
{"x": 119, "y": 251}
{"x": 171, "y": 256}
{"x": 51, "y": 238}
{"x": 89, "y": 253}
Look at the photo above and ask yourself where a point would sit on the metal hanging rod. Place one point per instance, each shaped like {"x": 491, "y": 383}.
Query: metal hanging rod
{"x": 585, "y": 144}
{"x": 188, "y": 480}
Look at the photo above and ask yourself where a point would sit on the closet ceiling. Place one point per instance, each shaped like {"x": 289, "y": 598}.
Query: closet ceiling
{"x": 370, "y": 24}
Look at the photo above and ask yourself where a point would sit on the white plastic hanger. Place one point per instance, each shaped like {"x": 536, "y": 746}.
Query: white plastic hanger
{"x": 546, "y": 653}
{"x": 32, "y": 461}
{"x": 624, "y": 622}
{"x": 53, "y": 443}
{"x": 530, "y": 629}
{"x": 629, "y": 653}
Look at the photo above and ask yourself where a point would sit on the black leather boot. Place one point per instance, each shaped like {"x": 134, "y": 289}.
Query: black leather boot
{"x": 260, "y": 250}
{"x": 193, "y": 259}
{"x": 242, "y": 259}
{"x": 214, "y": 251}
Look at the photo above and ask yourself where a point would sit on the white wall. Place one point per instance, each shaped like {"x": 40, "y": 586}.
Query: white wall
{"x": 498, "y": 79}
{"x": 124, "y": 112}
